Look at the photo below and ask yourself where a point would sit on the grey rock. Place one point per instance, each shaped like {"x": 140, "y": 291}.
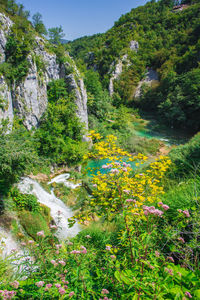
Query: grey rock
{"x": 29, "y": 97}
{"x": 150, "y": 77}
{"x": 6, "y": 106}
{"x": 5, "y": 26}
{"x": 117, "y": 72}
{"x": 134, "y": 45}
{"x": 75, "y": 84}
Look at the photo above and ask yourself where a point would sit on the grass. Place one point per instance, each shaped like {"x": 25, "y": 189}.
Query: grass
{"x": 182, "y": 195}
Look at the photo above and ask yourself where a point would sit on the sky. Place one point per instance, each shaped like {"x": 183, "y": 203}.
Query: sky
{"x": 80, "y": 17}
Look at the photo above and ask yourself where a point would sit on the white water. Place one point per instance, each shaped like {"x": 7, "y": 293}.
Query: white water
{"x": 59, "y": 211}
{"x": 63, "y": 179}
{"x": 7, "y": 243}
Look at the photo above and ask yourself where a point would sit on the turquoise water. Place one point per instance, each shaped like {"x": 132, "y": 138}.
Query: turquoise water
{"x": 154, "y": 129}
{"x": 94, "y": 166}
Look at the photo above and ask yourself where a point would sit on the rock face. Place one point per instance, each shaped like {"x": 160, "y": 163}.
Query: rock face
{"x": 150, "y": 77}
{"x": 76, "y": 86}
{"x": 134, "y": 45}
{"x": 6, "y": 105}
{"x": 117, "y": 72}
{"x": 5, "y": 25}
{"x": 29, "y": 97}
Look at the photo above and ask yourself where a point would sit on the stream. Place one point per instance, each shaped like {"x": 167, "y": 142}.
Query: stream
{"x": 59, "y": 211}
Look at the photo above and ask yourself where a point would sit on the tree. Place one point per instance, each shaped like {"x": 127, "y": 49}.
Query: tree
{"x": 56, "y": 34}
{"x": 38, "y": 24}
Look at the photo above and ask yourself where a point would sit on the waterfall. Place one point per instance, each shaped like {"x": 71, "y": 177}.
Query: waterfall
{"x": 7, "y": 243}
{"x": 59, "y": 211}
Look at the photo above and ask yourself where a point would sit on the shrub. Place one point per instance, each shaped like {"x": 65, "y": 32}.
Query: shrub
{"x": 25, "y": 201}
{"x": 33, "y": 222}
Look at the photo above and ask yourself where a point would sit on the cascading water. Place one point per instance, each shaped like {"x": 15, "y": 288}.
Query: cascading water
{"x": 7, "y": 243}
{"x": 59, "y": 211}
{"x": 63, "y": 179}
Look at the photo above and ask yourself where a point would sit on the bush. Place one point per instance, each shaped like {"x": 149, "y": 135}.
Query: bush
{"x": 25, "y": 201}
{"x": 33, "y": 222}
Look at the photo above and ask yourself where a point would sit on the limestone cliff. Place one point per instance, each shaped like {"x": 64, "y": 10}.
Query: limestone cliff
{"x": 118, "y": 67}
{"x": 28, "y": 98}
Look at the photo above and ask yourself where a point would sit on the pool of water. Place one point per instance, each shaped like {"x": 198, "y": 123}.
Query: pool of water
{"x": 169, "y": 136}
{"x": 94, "y": 166}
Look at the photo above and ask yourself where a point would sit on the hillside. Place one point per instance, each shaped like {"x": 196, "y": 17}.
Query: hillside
{"x": 168, "y": 42}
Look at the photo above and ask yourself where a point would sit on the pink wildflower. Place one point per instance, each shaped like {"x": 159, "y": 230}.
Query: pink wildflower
{"x": 57, "y": 252}
{"x": 181, "y": 240}
{"x": 186, "y": 213}
{"x": 104, "y": 291}
{"x": 53, "y": 226}
{"x": 113, "y": 256}
{"x": 66, "y": 287}
{"x": 58, "y": 246}
{"x": 40, "y": 233}
{"x": 165, "y": 207}
{"x": 124, "y": 170}
{"x": 104, "y": 167}
{"x": 71, "y": 294}
{"x": 30, "y": 242}
{"x": 15, "y": 284}
{"x": 108, "y": 248}
{"x": 70, "y": 243}
{"x": 23, "y": 243}
{"x": 126, "y": 191}
{"x": 53, "y": 262}
{"x": 58, "y": 285}
{"x": 48, "y": 285}
{"x": 130, "y": 200}
{"x": 157, "y": 254}
{"x": 61, "y": 291}
{"x": 95, "y": 185}
{"x": 180, "y": 210}
{"x": 75, "y": 252}
{"x": 171, "y": 259}
{"x": 188, "y": 294}
{"x": 114, "y": 171}
{"x": 39, "y": 283}
{"x": 151, "y": 267}
{"x": 160, "y": 203}
{"x": 170, "y": 271}
{"x": 61, "y": 262}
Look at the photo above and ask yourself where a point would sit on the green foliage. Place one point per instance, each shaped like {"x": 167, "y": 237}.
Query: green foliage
{"x": 186, "y": 158}
{"x": 55, "y": 34}
{"x": 60, "y": 134}
{"x": 17, "y": 156}
{"x": 38, "y": 24}
{"x": 11, "y": 7}
{"x": 24, "y": 201}
{"x": 32, "y": 223}
{"x": 168, "y": 43}
{"x": 18, "y": 46}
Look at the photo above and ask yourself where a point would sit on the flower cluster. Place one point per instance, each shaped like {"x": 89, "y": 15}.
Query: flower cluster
{"x": 84, "y": 251}
{"x": 41, "y": 233}
{"x": 184, "y": 212}
{"x": 7, "y": 294}
{"x": 151, "y": 210}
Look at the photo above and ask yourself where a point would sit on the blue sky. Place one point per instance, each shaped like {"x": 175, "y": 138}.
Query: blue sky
{"x": 81, "y": 17}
